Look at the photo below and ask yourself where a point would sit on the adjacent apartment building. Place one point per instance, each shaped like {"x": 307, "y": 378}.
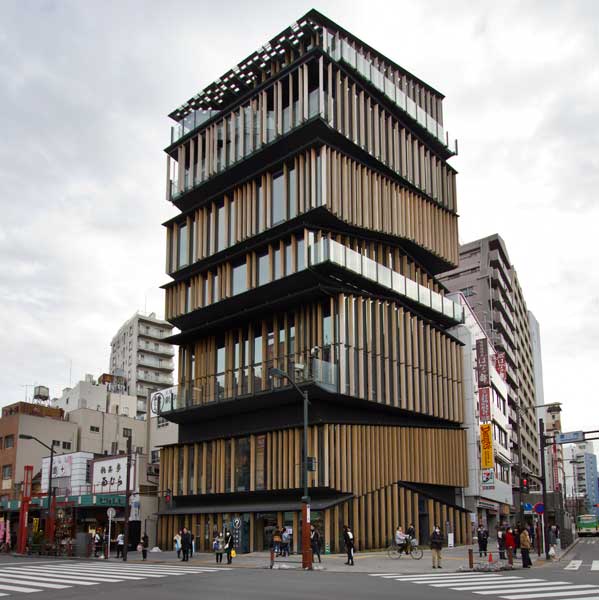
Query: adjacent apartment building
{"x": 486, "y": 277}
{"x": 582, "y": 485}
{"x": 140, "y": 354}
{"x": 489, "y": 491}
{"x": 316, "y": 208}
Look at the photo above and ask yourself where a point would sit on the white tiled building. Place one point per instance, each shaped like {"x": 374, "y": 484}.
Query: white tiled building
{"x": 140, "y": 354}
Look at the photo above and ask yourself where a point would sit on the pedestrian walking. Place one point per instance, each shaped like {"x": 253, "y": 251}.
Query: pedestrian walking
{"x": 120, "y": 544}
{"x": 411, "y": 532}
{"x": 315, "y": 543}
{"x": 192, "y": 548}
{"x": 145, "y": 542}
{"x": 285, "y": 542}
{"x": 436, "y": 547}
{"x": 185, "y": 544}
{"x": 276, "y": 538}
{"x": 501, "y": 543}
{"x": 552, "y": 542}
{"x": 483, "y": 538}
{"x": 97, "y": 543}
{"x": 517, "y": 532}
{"x": 525, "y": 548}
{"x": 350, "y": 544}
{"x": 228, "y": 546}
{"x": 177, "y": 540}
{"x": 218, "y": 545}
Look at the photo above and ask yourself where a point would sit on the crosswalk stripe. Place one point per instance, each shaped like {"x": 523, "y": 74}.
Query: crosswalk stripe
{"x": 13, "y": 588}
{"x": 42, "y": 584}
{"x": 27, "y": 574}
{"x": 125, "y": 573}
{"x": 573, "y": 565}
{"x": 571, "y": 591}
{"x": 455, "y": 581}
{"x": 158, "y": 570}
{"x": 442, "y": 575}
{"x": 486, "y": 582}
{"x": 382, "y": 574}
{"x": 595, "y": 565}
{"x": 87, "y": 576}
{"x": 530, "y": 588}
{"x": 514, "y": 585}
{"x": 93, "y": 575}
{"x": 154, "y": 568}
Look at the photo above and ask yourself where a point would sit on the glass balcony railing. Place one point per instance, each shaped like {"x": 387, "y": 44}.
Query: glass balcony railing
{"x": 343, "y": 52}
{"x": 328, "y": 250}
{"x": 318, "y": 366}
{"x": 190, "y": 122}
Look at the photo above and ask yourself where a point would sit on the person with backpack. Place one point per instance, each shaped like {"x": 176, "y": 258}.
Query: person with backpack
{"x": 315, "y": 543}
{"x": 284, "y": 542}
{"x": 436, "y": 547}
{"x": 483, "y": 538}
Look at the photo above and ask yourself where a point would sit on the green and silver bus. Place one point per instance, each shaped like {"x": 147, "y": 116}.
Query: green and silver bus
{"x": 587, "y": 525}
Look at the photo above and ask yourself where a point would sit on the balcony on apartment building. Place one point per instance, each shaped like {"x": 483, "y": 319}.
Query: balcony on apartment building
{"x": 154, "y": 362}
{"x": 156, "y": 348}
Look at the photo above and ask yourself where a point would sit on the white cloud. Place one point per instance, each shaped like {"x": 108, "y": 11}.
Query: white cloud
{"x": 86, "y": 90}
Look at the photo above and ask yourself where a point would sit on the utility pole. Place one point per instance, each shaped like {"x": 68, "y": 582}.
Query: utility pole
{"x": 127, "y": 498}
{"x": 544, "y": 484}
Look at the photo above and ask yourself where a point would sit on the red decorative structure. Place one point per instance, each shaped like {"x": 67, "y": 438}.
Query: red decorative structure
{"x": 24, "y": 510}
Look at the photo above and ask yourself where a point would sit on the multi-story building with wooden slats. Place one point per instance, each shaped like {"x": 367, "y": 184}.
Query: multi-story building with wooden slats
{"x": 316, "y": 208}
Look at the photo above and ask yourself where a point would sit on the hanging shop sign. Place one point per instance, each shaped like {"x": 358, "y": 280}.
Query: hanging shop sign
{"x": 487, "y": 479}
{"x": 486, "y": 446}
{"x": 482, "y": 362}
{"x": 484, "y": 404}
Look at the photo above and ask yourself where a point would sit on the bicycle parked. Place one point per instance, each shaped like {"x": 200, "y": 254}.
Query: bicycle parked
{"x": 410, "y": 548}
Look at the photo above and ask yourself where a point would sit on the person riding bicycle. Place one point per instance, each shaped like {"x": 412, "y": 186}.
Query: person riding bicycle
{"x": 401, "y": 539}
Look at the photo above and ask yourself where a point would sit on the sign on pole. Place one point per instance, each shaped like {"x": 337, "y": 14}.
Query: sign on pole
{"x": 570, "y": 437}
{"x": 111, "y": 514}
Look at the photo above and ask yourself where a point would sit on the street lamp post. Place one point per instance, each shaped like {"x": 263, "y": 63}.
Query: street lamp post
{"x": 306, "y": 549}
{"x": 50, "y": 524}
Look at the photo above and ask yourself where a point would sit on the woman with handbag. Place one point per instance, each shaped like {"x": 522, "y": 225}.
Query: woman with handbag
{"x": 218, "y": 545}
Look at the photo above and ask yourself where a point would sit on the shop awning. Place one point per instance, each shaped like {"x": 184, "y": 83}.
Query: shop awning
{"x": 272, "y": 505}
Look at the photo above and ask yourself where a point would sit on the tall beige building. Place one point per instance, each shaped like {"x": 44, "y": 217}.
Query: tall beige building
{"x": 489, "y": 281}
{"x": 140, "y": 354}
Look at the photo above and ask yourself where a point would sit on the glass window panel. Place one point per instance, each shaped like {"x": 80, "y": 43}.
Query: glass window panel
{"x": 278, "y": 199}
{"x": 215, "y": 288}
{"x": 239, "y": 278}
{"x": 242, "y": 464}
{"x": 291, "y": 193}
{"x": 220, "y": 227}
{"x": 263, "y": 269}
{"x": 183, "y": 254}
{"x": 411, "y": 289}
{"x": 260, "y": 461}
{"x": 301, "y": 249}
{"x": 277, "y": 265}
{"x": 424, "y": 295}
{"x": 288, "y": 258}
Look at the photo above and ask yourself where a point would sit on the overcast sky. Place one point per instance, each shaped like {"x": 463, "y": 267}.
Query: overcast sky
{"x": 85, "y": 88}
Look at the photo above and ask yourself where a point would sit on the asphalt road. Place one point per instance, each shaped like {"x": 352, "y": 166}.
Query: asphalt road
{"x": 22, "y": 577}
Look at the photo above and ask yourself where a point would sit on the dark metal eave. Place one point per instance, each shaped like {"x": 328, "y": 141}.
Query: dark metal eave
{"x": 319, "y": 281}
{"x": 316, "y": 218}
{"x": 326, "y": 406}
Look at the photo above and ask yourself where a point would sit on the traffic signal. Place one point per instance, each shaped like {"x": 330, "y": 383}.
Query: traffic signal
{"x": 168, "y": 497}
{"x": 524, "y": 486}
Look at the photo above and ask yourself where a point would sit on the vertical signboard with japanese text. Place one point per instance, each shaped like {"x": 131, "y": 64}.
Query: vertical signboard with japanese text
{"x": 484, "y": 404}
{"x": 486, "y": 446}
{"x": 482, "y": 362}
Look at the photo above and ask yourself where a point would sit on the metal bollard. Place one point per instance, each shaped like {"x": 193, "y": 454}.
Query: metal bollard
{"x": 470, "y": 558}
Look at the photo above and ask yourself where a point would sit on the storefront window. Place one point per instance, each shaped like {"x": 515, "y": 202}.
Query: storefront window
{"x": 242, "y": 464}
{"x": 260, "y": 461}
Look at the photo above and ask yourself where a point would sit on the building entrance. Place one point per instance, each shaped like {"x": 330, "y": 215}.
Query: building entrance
{"x": 265, "y": 525}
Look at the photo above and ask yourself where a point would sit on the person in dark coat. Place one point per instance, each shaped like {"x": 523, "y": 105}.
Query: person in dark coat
{"x": 350, "y": 542}
{"x": 185, "y": 544}
{"x": 315, "y": 542}
{"x": 501, "y": 543}
{"x": 436, "y": 547}
{"x": 145, "y": 542}
{"x": 228, "y": 546}
{"x": 483, "y": 538}
{"x": 517, "y": 532}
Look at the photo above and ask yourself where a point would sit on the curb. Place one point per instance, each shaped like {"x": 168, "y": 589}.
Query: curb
{"x": 568, "y": 549}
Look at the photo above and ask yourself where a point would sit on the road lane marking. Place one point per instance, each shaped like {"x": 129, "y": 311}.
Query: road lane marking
{"x": 572, "y": 591}
{"x": 595, "y": 565}
{"x": 573, "y": 565}
{"x": 24, "y": 590}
